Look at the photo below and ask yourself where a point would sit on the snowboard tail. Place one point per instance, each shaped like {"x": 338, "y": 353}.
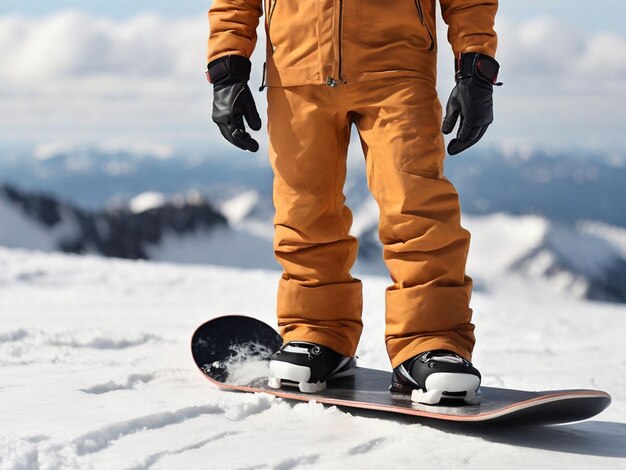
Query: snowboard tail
{"x": 234, "y": 352}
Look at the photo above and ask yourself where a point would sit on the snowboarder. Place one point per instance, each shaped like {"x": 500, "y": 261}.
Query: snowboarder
{"x": 371, "y": 63}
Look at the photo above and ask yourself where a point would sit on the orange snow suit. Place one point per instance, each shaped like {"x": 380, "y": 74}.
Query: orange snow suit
{"x": 371, "y": 63}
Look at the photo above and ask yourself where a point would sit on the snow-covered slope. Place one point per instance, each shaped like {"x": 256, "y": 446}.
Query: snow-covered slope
{"x": 223, "y": 246}
{"x": 97, "y": 373}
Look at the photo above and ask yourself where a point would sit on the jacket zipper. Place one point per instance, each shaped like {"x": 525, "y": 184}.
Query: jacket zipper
{"x": 340, "y": 43}
{"x": 420, "y": 13}
{"x": 269, "y": 23}
{"x": 331, "y": 81}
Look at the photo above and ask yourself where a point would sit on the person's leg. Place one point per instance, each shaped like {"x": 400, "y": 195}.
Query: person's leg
{"x": 425, "y": 247}
{"x": 318, "y": 300}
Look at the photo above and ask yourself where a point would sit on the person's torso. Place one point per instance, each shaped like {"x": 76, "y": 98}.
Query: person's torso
{"x": 326, "y": 41}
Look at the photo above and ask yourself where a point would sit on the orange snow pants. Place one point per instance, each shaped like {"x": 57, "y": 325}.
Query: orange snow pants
{"x": 425, "y": 248}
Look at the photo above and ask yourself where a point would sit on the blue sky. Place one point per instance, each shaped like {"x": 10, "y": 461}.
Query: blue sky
{"x": 585, "y": 14}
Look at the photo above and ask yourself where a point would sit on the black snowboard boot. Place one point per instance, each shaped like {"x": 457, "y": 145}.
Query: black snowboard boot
{"x": 308, "y": 366}
{"x": 435, "y": 375}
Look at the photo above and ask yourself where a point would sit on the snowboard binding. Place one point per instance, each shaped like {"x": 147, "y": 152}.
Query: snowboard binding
{"x": 433, "y": 376}
{"x": 308, "y": 366}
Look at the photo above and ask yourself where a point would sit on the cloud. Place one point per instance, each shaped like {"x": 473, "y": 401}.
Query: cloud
{"x": 546, "y": 51}
{"x": 73, "y": 76}
{"x": 143, "y": 55}
{"x": 50, "y": 150}
{"x": 563, "y": 87}
{"x": 152, "y": 54}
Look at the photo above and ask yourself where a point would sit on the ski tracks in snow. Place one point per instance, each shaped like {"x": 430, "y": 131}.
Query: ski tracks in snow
{"x": 40, "y": 452}
{"x": 102, "y": 447}
{"x": 24, "y": 346}
{"x": 151, "y": 460}
{"x": 223, "y": 433}
{"x": 95, "y": 441}
{"x": 128, "y": 383}
{"x": 110, "y": 419}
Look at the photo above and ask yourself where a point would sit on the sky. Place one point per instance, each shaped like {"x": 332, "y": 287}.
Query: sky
{"x": 131, "y": 73}
{"x": 605, "y": 15}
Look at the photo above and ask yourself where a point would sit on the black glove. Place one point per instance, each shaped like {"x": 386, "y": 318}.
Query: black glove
{"x": 232, "y": 100}
{"x": 472, "y": 99}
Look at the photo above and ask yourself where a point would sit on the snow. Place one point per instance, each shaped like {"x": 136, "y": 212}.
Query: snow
{"x": 583, "y": 260}
{"x": 236, "y": 209}
{"x": 97, "y": 373}
{"x": 499, "y": 240}
{"x": 24, "y": 232}
{"x": 222, "y": 246}
{"x": 615, "y": 235}
{"x": 145, "y": 201}
{"x": 18, "y": 230}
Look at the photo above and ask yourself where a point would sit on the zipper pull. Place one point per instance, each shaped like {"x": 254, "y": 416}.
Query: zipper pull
{"x": 263, "y": 78}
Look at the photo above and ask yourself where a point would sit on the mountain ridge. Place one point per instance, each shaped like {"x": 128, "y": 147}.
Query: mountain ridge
{"x": 582, "y": 260}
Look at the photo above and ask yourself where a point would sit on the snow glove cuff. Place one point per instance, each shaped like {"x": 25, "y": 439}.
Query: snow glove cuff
{"x": 232, "y": 100}
{"x": 471, "y": 99}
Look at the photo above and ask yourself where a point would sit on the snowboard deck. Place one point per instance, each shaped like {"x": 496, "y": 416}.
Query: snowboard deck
{"x": 234, "y": 351}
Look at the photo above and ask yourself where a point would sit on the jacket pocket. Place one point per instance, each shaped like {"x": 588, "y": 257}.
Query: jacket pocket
{"x": 420, "y": 14}
{"x": 292, "y": 34}
{"x": 392, "y": 35}
{"x": 270, "y": 13}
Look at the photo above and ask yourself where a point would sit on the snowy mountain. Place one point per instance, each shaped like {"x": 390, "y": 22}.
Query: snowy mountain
{"x": 93, "y": 177}
{"x": 41, "y": 221}
{"x": 180, "y": 228}
{"x": 560, "y": 186}
{"x": 154, "y": 204}
{"x": 97, "y": 374}
{"x": 587, "y": 259}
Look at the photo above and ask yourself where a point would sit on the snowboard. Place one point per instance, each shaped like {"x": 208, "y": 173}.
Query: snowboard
{"x": 233, "y": 352}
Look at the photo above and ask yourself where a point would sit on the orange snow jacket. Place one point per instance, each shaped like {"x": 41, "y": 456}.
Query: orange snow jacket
{"x": 325, "y": 41}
